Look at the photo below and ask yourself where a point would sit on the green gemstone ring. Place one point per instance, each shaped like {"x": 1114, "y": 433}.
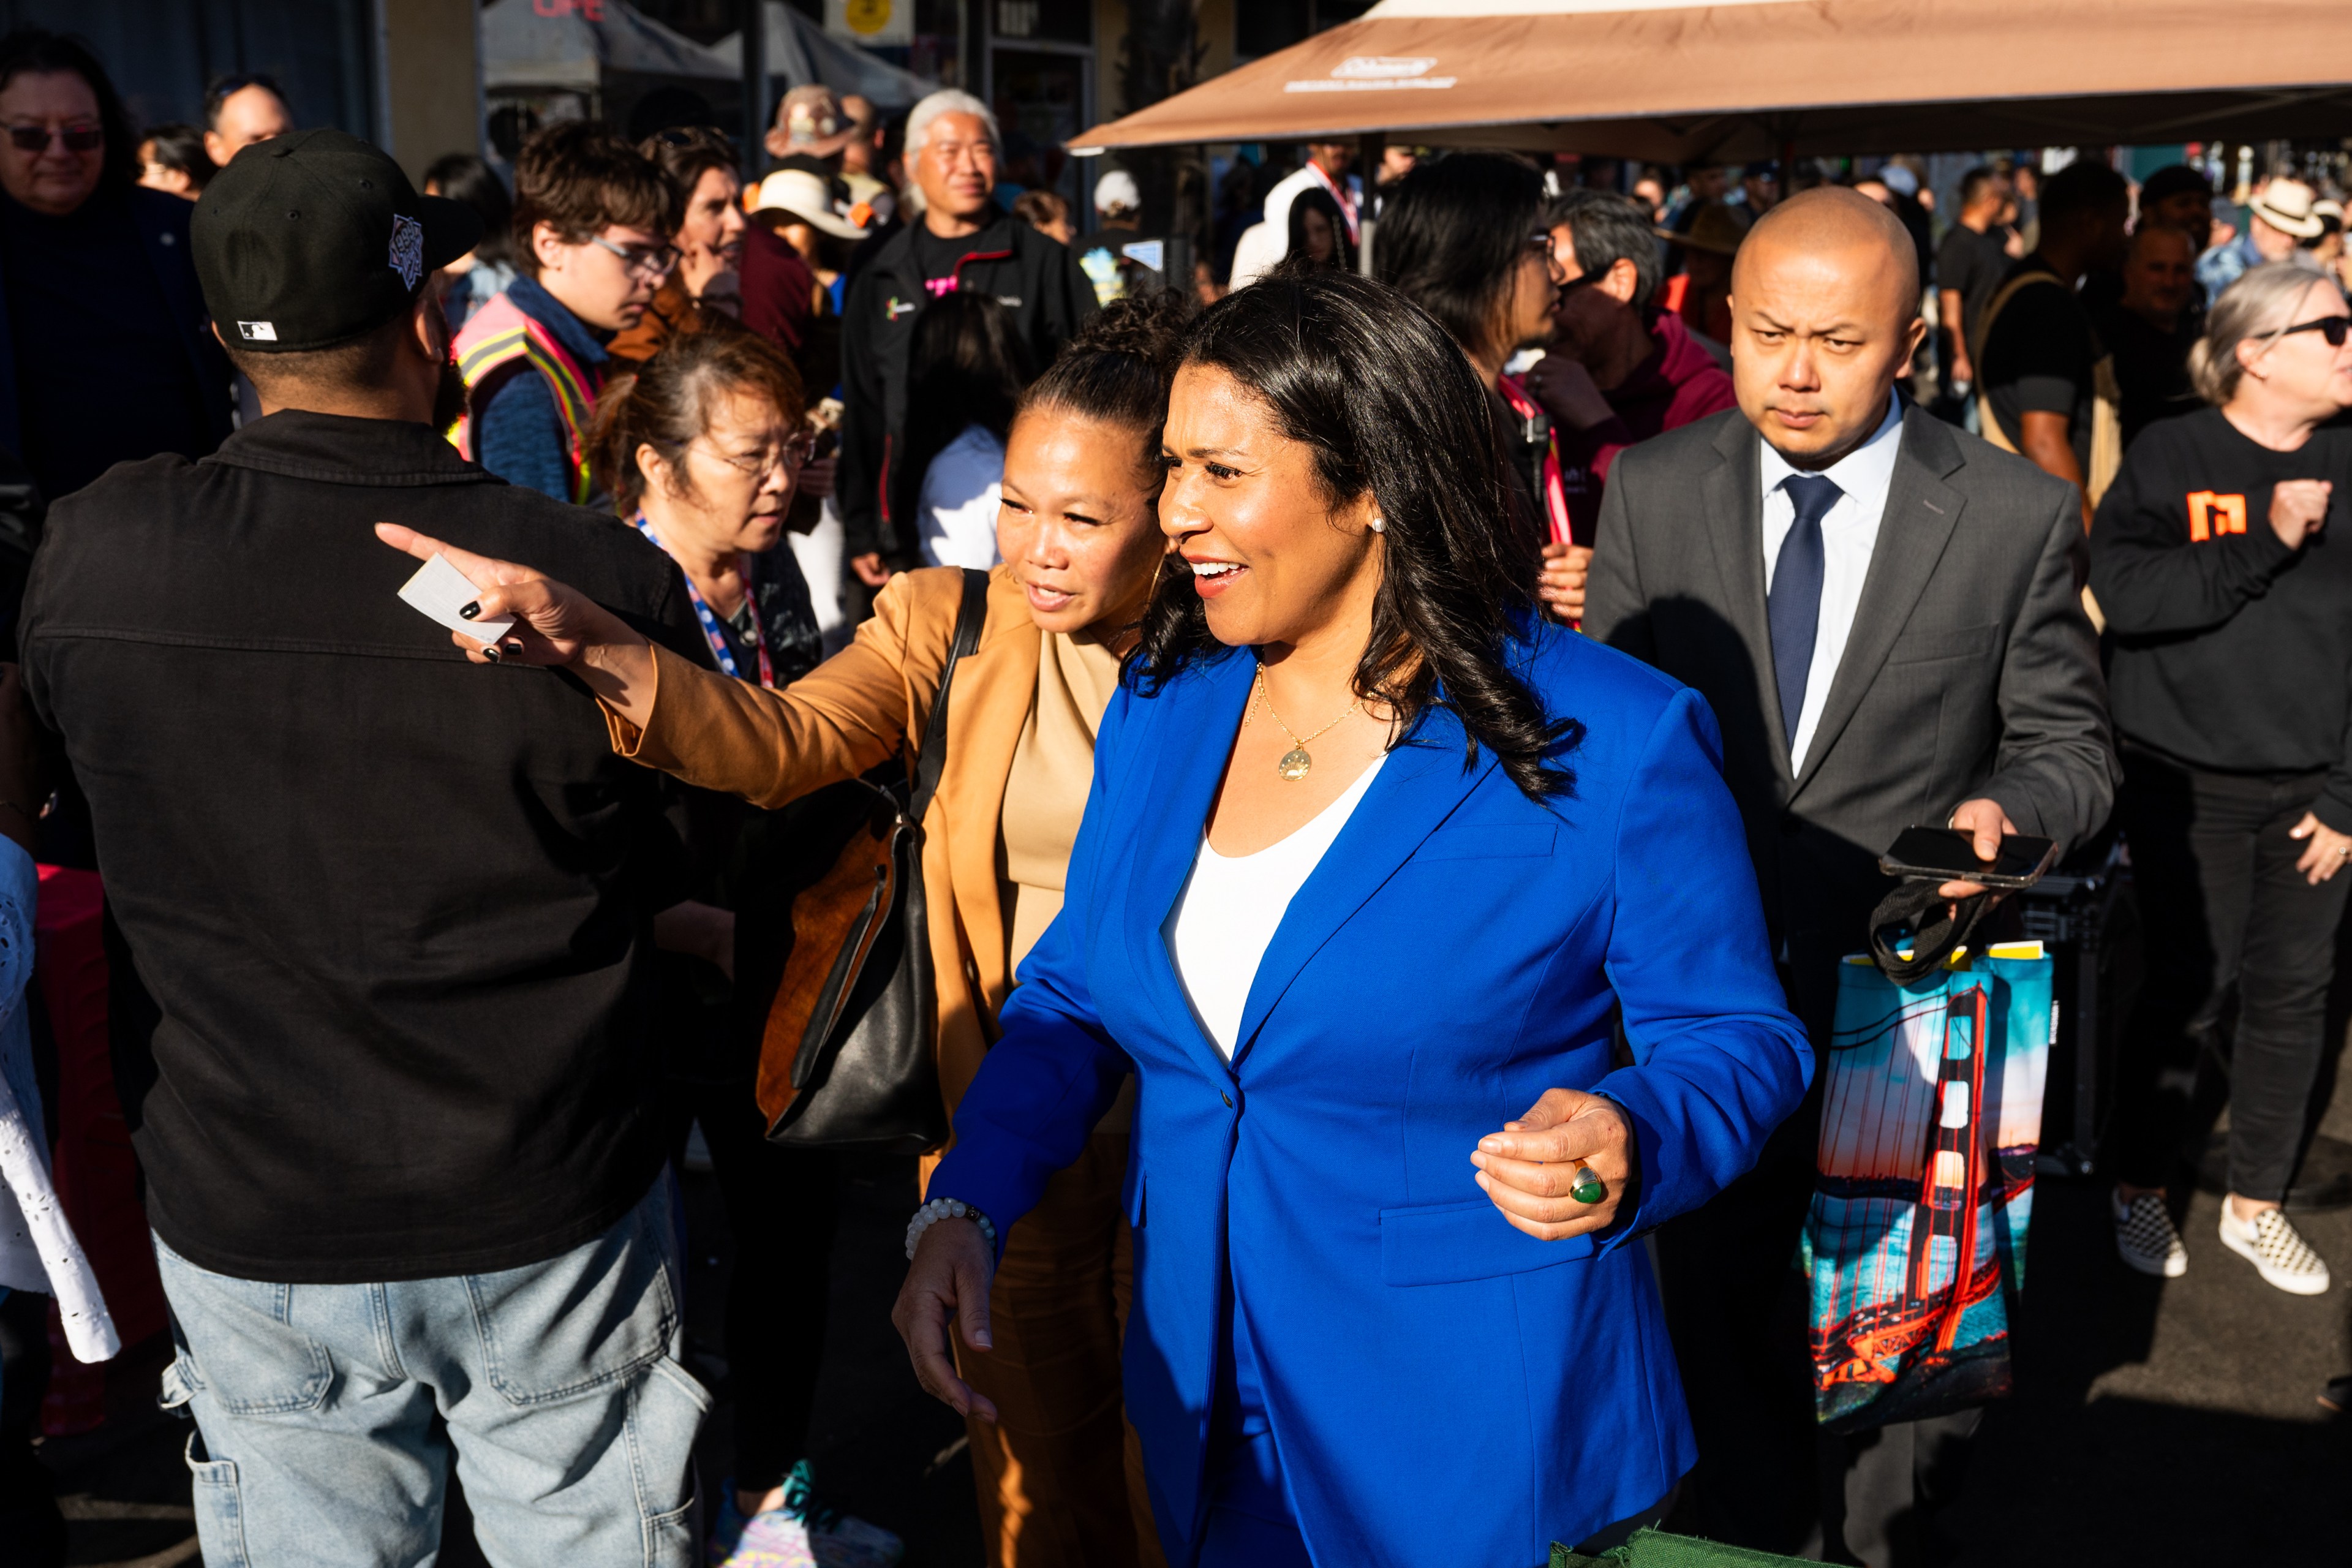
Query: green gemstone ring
{"x": 1588, "y": 1188}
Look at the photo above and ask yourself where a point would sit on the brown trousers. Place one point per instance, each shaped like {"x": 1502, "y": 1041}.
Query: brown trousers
{"x": 1061, "y": 1475}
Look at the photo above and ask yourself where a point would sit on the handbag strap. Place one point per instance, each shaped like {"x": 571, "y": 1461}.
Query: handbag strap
{"x": 1916, "y": 911}
{"x": 971, "y": 619}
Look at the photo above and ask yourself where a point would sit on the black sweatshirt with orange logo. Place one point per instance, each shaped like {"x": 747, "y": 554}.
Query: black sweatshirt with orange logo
{"x": 2231, "y": 652}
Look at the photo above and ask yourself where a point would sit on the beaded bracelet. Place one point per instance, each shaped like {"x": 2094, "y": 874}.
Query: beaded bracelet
{"x": 938, "y": 1209}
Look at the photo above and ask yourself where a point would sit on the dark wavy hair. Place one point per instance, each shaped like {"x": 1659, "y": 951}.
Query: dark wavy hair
{"x": 966, "y": 366}
{"x": 1317, "y": 200}
{"x": 1378, "y": 391}
{"x": 1452, "y": 233}
{"x": 44, "y": 53}
{"x": 1119, "y": 367}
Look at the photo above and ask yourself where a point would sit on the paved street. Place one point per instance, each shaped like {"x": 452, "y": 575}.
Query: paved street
{"x": 2154, "y": 1420}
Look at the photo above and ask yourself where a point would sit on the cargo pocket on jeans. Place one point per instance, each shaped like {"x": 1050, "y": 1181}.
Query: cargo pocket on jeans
{"x": 669, "y": 1537}
{"x": 257, "y": 1362}
{"x": 665, "y": 1414}
{"x": 590, "y": 1318}
{"x": 219, "y": 1507}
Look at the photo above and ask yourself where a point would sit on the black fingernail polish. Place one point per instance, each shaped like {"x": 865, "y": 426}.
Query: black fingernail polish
{"x": 470, "y": 611}
{"x": 515, "y": 646}
{"x": 491, "y": 653}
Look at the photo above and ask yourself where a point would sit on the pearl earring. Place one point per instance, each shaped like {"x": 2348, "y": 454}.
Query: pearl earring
{"x": 1379, "y": 525}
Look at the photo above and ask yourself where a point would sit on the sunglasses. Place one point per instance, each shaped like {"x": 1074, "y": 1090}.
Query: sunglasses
{"x": 37, "y": 138}
{"x": 2335, "y": 329}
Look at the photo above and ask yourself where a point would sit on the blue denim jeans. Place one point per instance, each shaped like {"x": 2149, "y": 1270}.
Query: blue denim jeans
{"x": 572, "y": 1423}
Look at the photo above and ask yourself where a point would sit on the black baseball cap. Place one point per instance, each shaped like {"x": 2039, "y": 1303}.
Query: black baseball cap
{"x": 309, "y": 239}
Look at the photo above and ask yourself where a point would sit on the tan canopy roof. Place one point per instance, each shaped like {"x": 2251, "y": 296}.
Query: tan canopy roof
{"x": 1738, "y": 79}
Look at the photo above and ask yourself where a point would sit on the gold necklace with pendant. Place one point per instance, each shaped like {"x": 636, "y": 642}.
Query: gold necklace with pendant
{"x": 1295, "y": 761}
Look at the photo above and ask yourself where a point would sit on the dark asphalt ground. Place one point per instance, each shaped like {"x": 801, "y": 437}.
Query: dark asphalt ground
{"x": 2154, "y": 1421}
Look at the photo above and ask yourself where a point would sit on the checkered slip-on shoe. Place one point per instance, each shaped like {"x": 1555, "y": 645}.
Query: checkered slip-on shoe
{"x": 2146, "y": 1237}
{"x": 2278, "y": 1253}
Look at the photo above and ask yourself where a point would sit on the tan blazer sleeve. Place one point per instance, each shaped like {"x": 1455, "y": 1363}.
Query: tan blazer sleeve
{"x": 849, "y": 714}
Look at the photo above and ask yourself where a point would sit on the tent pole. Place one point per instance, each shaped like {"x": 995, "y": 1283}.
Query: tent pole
{"x": 1370, "y": 148}
{"x": 755, "y": 14}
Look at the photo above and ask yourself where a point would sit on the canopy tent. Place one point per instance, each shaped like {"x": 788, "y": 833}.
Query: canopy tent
{"x": 799, "y": 51}
{"x": 524, "y": 49}
{"x": 1732, "y": 80}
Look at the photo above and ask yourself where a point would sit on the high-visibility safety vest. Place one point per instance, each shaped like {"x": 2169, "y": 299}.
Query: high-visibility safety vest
{"x": 495, "y": 337}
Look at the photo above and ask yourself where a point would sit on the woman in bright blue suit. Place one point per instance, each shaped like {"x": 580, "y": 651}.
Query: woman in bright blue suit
{"x": 1387, "y": 1181}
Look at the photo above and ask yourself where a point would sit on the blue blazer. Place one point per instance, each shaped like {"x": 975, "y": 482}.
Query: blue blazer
{"x": 1442, "y": 1386}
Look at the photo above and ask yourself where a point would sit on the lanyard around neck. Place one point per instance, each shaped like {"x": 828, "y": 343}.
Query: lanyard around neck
{"x": 1347, "y": 203}
{"x": 715, "y": 634}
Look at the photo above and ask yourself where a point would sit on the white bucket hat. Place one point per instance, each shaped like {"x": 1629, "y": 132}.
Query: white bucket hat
{"x": 806, "y": 197}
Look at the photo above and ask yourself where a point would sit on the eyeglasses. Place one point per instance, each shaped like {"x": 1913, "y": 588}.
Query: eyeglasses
{"x": 37, "y": 138}
{"x": 654, "y": 262}
{"x": 1540, "y": 243}
{"x": 792, "y": 456}
{"x": 2335, "y": 329}
{"x": 1567, "y": 284}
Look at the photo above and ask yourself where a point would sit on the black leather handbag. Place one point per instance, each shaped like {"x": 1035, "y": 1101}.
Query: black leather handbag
{"x": 848, "y": 1053}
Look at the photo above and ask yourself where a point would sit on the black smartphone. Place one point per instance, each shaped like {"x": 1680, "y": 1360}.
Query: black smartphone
{"x": 1951, "y": 855}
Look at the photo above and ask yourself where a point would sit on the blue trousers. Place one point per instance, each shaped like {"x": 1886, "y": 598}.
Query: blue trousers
{"x": 1251, "y": 1523}
{"x": 567, "y": 1413}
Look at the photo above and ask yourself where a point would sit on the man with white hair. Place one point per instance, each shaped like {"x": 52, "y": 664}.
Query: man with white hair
{"x": 957, "y": 238}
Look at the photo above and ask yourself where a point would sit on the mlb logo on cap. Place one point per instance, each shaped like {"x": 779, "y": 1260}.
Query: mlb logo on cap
{"x": 309, "y": 240}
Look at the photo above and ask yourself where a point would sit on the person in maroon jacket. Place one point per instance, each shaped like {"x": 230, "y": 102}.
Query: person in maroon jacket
{"x": 1619, "y": 371}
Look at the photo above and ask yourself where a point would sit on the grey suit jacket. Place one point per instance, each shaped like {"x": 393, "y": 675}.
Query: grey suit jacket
{"x": 1971, "y": 670}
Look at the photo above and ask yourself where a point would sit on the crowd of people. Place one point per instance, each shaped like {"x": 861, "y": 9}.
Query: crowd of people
{"x": 1350, "y": 786}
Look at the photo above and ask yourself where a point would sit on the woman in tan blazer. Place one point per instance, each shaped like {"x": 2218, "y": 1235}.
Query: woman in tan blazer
{"x": 1060, "y": 1482}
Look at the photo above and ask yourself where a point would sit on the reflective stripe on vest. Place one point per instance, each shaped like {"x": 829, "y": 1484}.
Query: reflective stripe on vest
{"x": 496, "y": 336}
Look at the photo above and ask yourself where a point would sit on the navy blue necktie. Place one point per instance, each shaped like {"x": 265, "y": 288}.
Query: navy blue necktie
{"x": 1794, "y": 605}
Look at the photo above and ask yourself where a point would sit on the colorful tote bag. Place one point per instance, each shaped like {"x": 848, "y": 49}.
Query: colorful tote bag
{"x": 1916, "y": 1241}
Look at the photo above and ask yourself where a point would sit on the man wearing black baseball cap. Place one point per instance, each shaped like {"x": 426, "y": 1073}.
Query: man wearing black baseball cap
{"x": 394, "y": 913}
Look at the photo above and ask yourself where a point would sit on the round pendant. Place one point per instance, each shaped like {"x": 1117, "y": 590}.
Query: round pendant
{"x": 1295, "y": 763}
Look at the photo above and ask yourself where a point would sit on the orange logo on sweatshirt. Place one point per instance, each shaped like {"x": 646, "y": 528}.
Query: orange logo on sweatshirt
{"x": 2211, "y": 516}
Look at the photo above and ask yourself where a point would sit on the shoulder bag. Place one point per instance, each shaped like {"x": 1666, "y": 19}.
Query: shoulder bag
{"x": 847, "y": 1058}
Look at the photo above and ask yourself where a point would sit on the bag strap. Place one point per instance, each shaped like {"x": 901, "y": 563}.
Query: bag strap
{"x": 971, "y": 619}
{"x": 1905, "y": 912}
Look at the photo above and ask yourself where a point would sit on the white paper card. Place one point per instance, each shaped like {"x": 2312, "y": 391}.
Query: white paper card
{"x": 439, "y": 590}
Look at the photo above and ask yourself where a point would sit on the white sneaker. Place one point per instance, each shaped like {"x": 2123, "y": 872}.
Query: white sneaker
{"x": 2271, "y": 1244}
{"x": 2146, "y": 1237}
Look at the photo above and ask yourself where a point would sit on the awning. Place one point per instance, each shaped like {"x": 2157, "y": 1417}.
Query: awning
{"x": 540, "y": 46}
{"x": 801, "y": 52}
{"x": 1675, "y": 82}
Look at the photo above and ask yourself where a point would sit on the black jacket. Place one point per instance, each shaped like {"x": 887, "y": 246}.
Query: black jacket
{"x": 394, "y": 909}
{"x": 1035, "y": 277}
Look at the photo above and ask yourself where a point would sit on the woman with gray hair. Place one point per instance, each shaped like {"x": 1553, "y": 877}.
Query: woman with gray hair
{"x": 2216, "y": 560}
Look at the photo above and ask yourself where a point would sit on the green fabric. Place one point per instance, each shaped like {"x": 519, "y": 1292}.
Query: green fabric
{"x": 1656, "y": 1548}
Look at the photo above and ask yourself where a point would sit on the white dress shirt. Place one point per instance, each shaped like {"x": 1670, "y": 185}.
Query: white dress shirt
{"x": 1849, "y": 534}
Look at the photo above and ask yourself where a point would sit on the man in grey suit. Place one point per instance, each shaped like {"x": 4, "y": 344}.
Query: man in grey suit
{"x": 1884, "y": 613}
